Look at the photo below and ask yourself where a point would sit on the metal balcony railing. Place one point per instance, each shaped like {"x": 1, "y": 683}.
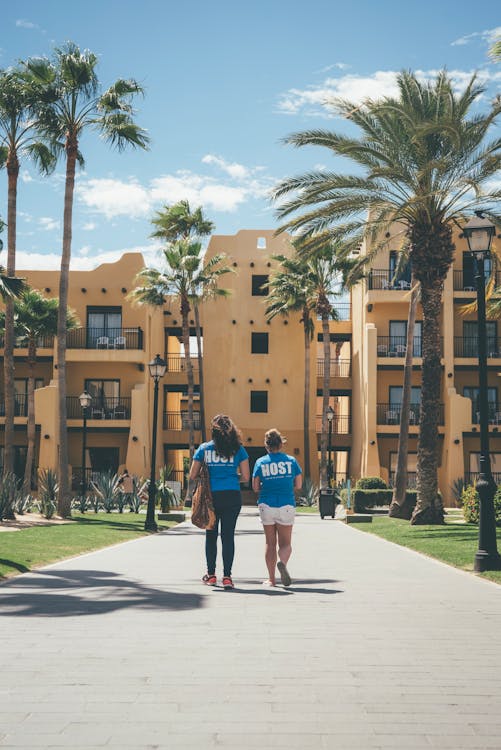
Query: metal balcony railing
{"x": 340, "y": 368}
{"x": 494, "y": 414}
{"x": 471, "y": 477}
{"x": 384, "y": 278}
{"x": 411, "y": 479}
{"x": 105, "y": 338}
{"x": 20, "y": 342}
{"x": 389, "y": 414}
{"x": 177, "y": 363}
{"x": 341, "y": 424}
{"x": 467, "y": 346}
{"x": 103, "y": 407}
{"x": 178, "y": 420}
{"x": 20, "y": 405}
{"x": 464, "y": 281}
{"x": 396, "y": 346}
{"x": 343, "y": 310}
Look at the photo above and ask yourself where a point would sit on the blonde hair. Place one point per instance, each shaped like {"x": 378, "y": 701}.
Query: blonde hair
{"x": 273, "y": 439}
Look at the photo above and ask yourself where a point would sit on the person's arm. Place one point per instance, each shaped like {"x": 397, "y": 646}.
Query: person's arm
{"x": 256, "y": 484}
{"x": 195, "y": 469}
{"x": 244, "y": 471}
{"x": 298, "y": 481}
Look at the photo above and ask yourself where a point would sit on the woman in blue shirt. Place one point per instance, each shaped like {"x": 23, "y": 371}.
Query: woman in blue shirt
{"x": 228, "y": 465}
{"x": 275, "y": 478}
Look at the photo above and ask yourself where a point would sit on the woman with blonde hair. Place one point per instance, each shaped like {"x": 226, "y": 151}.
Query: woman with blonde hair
{"x": 228, "y": 465}
{"x": 275, "y": 478}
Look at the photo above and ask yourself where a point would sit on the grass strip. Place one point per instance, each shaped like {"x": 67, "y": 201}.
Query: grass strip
{"x": 451, "y": 543}
{"x": 26, "y": 549}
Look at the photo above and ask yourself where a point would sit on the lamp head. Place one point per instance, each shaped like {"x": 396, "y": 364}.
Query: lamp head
{"x": 330, "y": 413}
{"x": 85, "y": 400}
{"x": 479, "y": 233}
{"x": 157, "y": 368}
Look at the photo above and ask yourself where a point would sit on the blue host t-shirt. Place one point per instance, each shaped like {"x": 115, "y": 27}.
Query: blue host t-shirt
{"x": 277, "y": 472}
{"x": 222, "y": 471}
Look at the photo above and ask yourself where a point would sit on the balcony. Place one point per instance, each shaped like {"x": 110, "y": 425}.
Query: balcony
{"x": 340, "y": 368}
{"x": 494, "y": 412}
{"x": 178, "y": 420}
{"x": 20, "y": 405}
{"x": 465, "y": 281}
{"x": 110, "y": 338}
{"x": 106, "y": 407}
{"x": 341, "y": 424}
{"x": 384, "y": 279}
{"x": 467, "y": 347}
{"x": 177, "y": 363}
{"x": 471, "y": 477}
{"x": 42, "y": 342}
{"x": 389, "y": 414}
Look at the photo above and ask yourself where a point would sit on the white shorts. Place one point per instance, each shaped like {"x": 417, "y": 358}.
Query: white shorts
{"x": 284, "y": 516}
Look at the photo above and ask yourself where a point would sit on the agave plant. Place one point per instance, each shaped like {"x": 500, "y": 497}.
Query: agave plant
{"x": 165, "y": 493}
{"x": 9, "y": 493}
{"x": 309, "y": 493}
{"x": 48, "y": 487}
{"x": 106, "y": 487}
{"x": 23, "y": 504}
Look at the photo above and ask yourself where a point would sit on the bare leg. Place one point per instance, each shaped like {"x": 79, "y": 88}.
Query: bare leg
{"x": 270, "y": 532}
{"x": 284, "y": 543}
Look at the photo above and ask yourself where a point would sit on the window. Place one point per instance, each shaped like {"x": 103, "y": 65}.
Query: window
{"x": 398, "y": 337}
{"x": 396, "y": 395}
{"x": 259, "y": 285}
{"x": 469, "y": 281}
{"x": 405, "y": 274}
{"x": 261, "y": 243}
{"x": 470, "y": 338}
{"x": 492, "y": 397}
{"x": 259, "y": 343}
{"x": 104, "y": 325}
{"x": 259, "y": 402}
{"x": 105, "y": 397}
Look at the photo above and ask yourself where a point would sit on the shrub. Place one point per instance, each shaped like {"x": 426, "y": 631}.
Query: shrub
{"x": 371, "y": 483}
{"x": 471, "y": 502}
{"x": 81, "y": 503}
{"x": 165, "y": 494}
{"x": 308, "y": 494}
{"x": 23, "y": 504}
{"x": 9, "y": 493}
{"x": 457, "y": 488}
{"x": 364, "y": 500}
{"x": 48, "y": 487}
{"x": 107, "y": 488}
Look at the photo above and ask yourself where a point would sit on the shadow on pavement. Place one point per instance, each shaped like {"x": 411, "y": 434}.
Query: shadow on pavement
{"x": 69, "y": 593}
{"x": 297, "y": 587}
{"x": 11, "y": 564}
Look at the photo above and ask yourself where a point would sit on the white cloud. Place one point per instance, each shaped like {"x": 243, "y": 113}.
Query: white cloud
{"x": 89, "y": 226}
{"x": 82, "y": 262}
{"x": 25, "y": 176}
{"x": 489, "y": 36}
{"x": 197, "y": 190}
{"x": 338, "y": 65}
{"x": 312, "y": 100}
{"x": 114, "y": 197}
{"x": 234, "y": 170}
{"x": 23, "y": 24}
{"x": 48, "y": 224}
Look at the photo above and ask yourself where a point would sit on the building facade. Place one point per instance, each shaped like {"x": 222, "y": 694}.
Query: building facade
{"x": 254, "y": 370}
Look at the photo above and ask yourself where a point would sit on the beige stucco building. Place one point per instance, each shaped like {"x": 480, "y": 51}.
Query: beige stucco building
{"x": 253, "y": 370}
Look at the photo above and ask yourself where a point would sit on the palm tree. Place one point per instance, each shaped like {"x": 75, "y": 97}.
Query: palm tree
{"x": 69, "y": 103}
{"x": 495, "y": 50}
{"x": 183, "y": 275}
{"x": 288, "y": 293}
{"x": 425, "y": 160}
{"x": 35, "y": 318}
{"x": 18, "y": 138}
{"x": 179, "y": 222}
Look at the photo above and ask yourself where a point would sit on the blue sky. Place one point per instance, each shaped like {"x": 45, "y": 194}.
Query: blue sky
{"x": 225, "y": 82}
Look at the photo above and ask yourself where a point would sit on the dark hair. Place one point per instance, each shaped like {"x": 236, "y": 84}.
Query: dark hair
{"x": 273, "y": 439}
{"x": 226, "y": 436}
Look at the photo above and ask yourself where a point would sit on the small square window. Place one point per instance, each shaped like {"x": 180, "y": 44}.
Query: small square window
{"x": 261, "y": 243}
{"x": 259, "y": 343}
{"x": 259, "y": 402}
{"x": 259, "y": 285}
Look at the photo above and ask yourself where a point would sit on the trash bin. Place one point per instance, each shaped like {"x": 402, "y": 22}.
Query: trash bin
{"x": 327, "y": 502}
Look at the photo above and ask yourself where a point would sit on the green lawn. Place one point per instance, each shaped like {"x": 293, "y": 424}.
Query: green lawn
{"x": 455, "y": 544}
{"x": 30, "y": 548}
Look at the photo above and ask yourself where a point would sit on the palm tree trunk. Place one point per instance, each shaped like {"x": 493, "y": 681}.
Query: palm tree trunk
{"x": 326, "y": 336}
{"x": 200, "y": 372}
{"x": 185, "y": 311}
{"x": 306, "y": 400}
{"x": 31, "y": 430}
{"x": 64, "y": 500}
{"x": 429, "y": 507}
{"x": 398, "y": 507}
{"x": 12, "y": 175}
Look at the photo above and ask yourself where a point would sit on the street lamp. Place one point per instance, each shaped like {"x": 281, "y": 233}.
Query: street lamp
{"x": 157, "y": 368}
{"x": 330, "y": 418}
{"x": 85, "y": 401}
{"x": 479, "y": 232}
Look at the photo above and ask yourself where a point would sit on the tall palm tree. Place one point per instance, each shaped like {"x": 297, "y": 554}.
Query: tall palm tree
{"x": 18, "y": 137}
{"x": 289, "y": 293}
{"x": 35, "y": 318}
{"x": 69, "y": 102}
{"x": 425, "y": 160}
{"x": 179, "y": 222}
{"x": 183, "y": 275}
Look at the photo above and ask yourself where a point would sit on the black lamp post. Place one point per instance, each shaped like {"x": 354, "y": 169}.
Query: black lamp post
{"x": 157, "y": 368}
{"x": 330, "y": 418}
{"x": 479, "y": 232}
{"x": 85, "y": 401}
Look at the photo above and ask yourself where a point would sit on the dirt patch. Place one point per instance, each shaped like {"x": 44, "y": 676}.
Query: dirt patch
{"x": 27, "y": 520}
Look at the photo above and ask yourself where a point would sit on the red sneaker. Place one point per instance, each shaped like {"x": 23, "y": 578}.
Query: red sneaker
{"x": 228, "y": 583}
{"x": 209, "y": 580}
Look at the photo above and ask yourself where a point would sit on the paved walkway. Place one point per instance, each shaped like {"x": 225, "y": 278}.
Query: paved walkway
{"x": 373, "y": 647}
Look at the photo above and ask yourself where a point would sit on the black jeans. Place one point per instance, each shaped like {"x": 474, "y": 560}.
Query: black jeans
{"x": 227, "y": 504}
